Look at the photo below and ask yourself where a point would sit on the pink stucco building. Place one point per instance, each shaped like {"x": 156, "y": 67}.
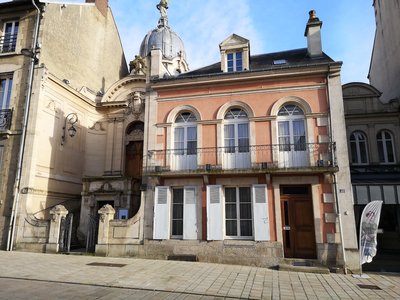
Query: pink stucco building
{"x": 247, "y": 159}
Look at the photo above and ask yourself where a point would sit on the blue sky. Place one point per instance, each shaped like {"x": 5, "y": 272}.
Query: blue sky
{"x": 270, "y": 25}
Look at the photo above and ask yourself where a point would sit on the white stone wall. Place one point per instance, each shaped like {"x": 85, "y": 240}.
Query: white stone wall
{"x": 384, "y": 71}
{"x": 81, "y": 45}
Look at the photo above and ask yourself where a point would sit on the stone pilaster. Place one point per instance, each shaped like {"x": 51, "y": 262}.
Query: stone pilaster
{"x": 57, "y": 213}
{"x": 106, "y": 213}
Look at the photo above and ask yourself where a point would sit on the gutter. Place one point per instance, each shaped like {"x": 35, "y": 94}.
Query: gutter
{"x": 242, "y": 76}
{"x": 273, "y": 68}
{"x": 17, "y": 182}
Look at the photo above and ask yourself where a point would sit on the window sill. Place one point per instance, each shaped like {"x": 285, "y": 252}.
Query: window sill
{"x": 5, "y": 133}
{"x": 8, "y": 53}
{"x": 239, "y": 242}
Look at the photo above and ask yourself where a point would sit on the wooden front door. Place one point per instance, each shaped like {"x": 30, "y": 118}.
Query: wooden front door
{"x": 134, "y": 159}
{"x": 298, "y": 222}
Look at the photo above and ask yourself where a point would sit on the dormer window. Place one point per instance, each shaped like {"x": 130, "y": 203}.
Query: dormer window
{"x": 235, "y": 61}
{"x": 235, "y": 54}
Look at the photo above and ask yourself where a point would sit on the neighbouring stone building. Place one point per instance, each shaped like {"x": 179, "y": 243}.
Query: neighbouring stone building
{"x": 372, "y": 115}
{"x": 50, "y": 67}
{"x": 373, "y": 131}
{"x": 243, "y": 161}
{"x": 384, "y": 73}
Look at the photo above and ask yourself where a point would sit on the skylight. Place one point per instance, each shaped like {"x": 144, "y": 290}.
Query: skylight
{"x": 280, "y": 62}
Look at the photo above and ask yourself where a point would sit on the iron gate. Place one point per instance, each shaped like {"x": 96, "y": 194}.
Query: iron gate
{"x": 92, "y": 233}
{"x": 65, "y": 233}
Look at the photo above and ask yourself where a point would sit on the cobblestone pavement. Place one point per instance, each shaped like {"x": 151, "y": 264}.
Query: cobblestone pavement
{"x": 47, "y": 276}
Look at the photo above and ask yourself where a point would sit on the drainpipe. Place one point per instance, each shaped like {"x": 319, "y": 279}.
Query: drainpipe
{"x": 16, "y": 194}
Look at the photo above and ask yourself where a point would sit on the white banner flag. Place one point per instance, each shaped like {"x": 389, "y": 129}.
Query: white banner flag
{"x": 368, "y": 231}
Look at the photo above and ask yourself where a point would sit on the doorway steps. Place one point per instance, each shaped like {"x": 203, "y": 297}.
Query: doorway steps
{"x": 303, "y": 265}
{"x": 187, "y": 257}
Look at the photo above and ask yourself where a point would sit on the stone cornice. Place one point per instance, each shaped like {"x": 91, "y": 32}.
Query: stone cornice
{"x": 247, "y": 92}
{"x": 33, "y": 191}
{"x": 268, "y": 74}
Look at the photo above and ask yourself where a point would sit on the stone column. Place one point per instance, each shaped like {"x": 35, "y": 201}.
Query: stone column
{"x": 106, "y": 213}
{"x": 57, "y": 213}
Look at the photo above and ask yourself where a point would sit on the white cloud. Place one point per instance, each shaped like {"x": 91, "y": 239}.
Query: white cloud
{"x": 202, "y": 25}
{"x": 207, "y": 24}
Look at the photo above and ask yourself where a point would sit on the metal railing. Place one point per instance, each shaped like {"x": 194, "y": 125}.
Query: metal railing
{"x": 8, "y": 43}
{"x": 5, "y": 119}
{"x": 275, "y": 156}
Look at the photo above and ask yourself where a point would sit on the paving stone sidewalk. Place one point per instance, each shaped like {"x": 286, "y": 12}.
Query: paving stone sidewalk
{"x": 187, "y": 280}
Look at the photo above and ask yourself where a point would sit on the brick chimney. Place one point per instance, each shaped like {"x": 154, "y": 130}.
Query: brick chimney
{"x": 102, "y": 5}
{"x": 313, "y": 34}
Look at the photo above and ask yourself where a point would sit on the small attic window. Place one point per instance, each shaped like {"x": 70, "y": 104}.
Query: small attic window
{"x": 235, "y": 61}
{"x": 279, "y": 62}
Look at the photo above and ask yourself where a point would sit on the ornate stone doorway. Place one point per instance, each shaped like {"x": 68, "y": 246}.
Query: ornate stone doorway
{"x": 134, "y": 161}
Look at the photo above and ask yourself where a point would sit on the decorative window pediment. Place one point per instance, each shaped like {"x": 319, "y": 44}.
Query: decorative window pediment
{"x": 235, "y": 54}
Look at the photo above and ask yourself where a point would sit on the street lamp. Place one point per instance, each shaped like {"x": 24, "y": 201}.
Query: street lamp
{"x": 71, "y": 119}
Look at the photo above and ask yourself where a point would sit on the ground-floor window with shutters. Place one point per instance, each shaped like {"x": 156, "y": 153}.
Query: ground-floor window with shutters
{"x": 176, "y": 213}
{"x": 238, "y": 212}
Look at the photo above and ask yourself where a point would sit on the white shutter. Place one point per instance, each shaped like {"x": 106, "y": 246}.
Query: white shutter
{"x": 162, "y": 203}
{"x": 260, "y": 212}
{"x": 189, "y": 213}
{"x": 214, "y": 213}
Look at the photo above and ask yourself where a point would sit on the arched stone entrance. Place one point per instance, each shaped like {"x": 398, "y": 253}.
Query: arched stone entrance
{"x": 134, "y": 161}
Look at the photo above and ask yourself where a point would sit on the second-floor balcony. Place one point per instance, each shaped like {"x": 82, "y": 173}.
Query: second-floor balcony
{"x": 8, "y": 43}
{"x": 316, "y": 157}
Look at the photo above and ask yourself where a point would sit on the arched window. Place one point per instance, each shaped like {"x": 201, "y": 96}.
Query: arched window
{"x": 358, "y": 147}
{"x": 291, "y": 128}
{"x": 385, "y": 147}
{"x": 292, "y": 136}
{"x": 185, "y": 141}
{"x": 236, "y": 131}
{"x": 185, "y": 133}
{"x": 236, "y": 139}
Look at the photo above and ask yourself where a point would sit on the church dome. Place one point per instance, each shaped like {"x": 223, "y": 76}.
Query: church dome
{"x": 165, "y": 39}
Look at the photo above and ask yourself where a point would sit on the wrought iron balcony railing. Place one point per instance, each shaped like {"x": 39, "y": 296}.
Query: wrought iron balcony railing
{"x": 8, "y": 43}
{"x": 284, "y": 156}
{"x": 5, "y": 119}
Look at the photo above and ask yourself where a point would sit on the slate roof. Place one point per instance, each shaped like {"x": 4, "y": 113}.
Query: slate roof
{"x": 263, "y": 62}
{"x": 14, "y": 2}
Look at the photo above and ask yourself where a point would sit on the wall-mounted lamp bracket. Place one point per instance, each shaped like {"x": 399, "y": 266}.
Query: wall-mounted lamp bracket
{"x": 71, "y": 119}
{"x": 30, "y": 53}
